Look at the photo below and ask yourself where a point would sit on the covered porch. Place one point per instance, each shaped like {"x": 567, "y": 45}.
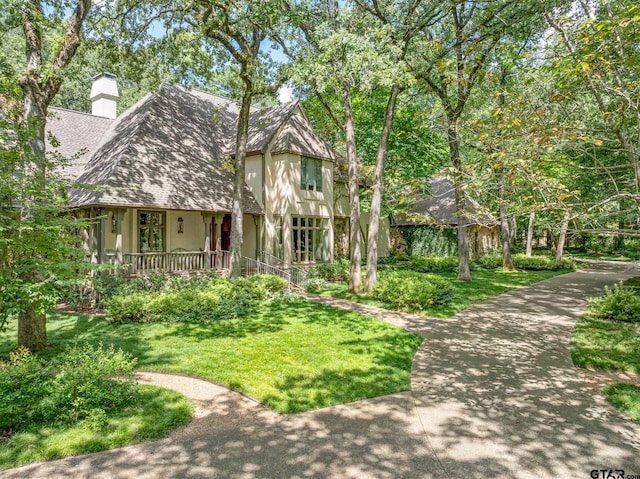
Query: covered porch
{"x": 136, "y": 241}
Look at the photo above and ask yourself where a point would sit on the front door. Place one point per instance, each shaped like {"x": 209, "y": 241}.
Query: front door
{"x": 225, "y": 237}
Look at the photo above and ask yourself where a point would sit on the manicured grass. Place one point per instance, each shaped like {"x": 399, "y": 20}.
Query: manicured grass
{"x": 485, "y": 284}
{"x": 292, "y": 356}
{"x": 625, "y": 397}
{"x": 603, "y": 344}
{"x": 155, "y": 413}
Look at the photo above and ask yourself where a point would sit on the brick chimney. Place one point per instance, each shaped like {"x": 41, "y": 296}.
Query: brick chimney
{"x": 104, "y": 95}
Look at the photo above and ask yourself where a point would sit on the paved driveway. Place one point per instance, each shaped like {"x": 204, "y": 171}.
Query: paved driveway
{"x": 494, "y": 394}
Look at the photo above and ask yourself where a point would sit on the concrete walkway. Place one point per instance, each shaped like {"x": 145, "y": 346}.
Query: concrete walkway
{"x": 494, "y": 394}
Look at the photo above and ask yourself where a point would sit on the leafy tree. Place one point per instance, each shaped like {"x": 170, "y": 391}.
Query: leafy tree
{"x": 451, "y": 60}
{"x": 33, "y": 244}
{"x": 338, "y": 56}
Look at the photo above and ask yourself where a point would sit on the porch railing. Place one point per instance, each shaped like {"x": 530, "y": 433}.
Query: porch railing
{"x": 296, "y": 276}
{"x": 177, "y": 261}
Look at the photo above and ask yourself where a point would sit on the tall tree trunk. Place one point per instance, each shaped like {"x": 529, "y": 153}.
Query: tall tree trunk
{"x": 464, "y": 270}
{"x": 355, "y": 251}
{"x": 532, "y": 220}
{"x": 242, "y": 133}
{"x": 563, "y": 234}
{"x": 32, "y": 329}
{"x": 507, "y": 262}
{"x": 376, "y": 200}
{"x": 513, "y": 230}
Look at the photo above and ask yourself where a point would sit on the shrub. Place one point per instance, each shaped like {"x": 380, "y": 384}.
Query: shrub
{"x": 81, "y": 383}
{"x": 212, "y": 300}
{"x": 262, "y": 286}
{"x": 430, "y": 240}
{"x": 531, "y": 263}
{"x": 616, "y": 304}
{"x": 434, "y": 264}
{"x": 338, "y": 270}
{"x": 490, "y": 261}
{"x": 411, "y": 291}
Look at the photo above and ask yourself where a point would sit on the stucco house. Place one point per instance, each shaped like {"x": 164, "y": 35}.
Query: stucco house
{"x": 157, "y": 181}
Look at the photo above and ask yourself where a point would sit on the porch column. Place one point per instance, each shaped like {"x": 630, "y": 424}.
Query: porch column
{"x": 102, "y": 224}
{"x": 219, "y": 219}
{"x": 206, "y": 217}
{"x": 118, "y": 214}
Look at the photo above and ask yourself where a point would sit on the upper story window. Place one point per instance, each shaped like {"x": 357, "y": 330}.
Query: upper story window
{"x": 152, "y": 231}
{"x": 310, "y": 174}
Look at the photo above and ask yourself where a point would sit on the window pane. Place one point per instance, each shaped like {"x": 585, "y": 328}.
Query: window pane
{"x": 295, "y": 221}
{"x": 311, "y": 175}
{"x": 318, "y": 175}
{"x": 303, "y": 173}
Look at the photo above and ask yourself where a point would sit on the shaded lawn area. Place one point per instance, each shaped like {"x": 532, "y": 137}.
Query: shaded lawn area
{"x": 485, "y": 284}
{"x": 602, "y": 344}
{"x": 156, "y": 412}
{"x": 292, "y": 356}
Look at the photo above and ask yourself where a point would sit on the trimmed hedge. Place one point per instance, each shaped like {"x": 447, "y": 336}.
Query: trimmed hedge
{"x": 531, "y": 263}
{"x": 411, "y": 291}
{"x": 434, "y": 264}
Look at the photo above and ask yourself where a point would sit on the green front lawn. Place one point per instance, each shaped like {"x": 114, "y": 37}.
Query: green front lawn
{"x": 485, "y": 284}
{"x": 602, "y": 344}
{"x": 156, "y": 412}
{"x": 614, "y": 345}
{"x": 292, "y": 356}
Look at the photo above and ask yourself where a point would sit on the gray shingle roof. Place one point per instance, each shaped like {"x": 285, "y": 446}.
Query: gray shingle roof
{"x": 164, "y": 152}
{"x": 168, "y": 150}
{"x": 439, "y": 208}
{"x": 78, "y": 135}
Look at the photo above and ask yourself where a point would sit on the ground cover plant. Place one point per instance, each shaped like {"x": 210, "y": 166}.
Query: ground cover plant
{"x": 292, "y": 355}
{"x": 607, "y": 336}
{"x": 486, "y": 284}
{"x": 73, "y": 404}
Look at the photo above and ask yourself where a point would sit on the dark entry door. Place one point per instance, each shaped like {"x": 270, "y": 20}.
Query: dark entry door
{"x": 225, "y": 237}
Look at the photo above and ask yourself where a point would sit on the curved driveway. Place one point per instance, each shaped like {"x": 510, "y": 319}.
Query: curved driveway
{"x": 494, "y": 394}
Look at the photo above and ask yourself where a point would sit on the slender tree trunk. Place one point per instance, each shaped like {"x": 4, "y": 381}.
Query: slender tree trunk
{"x": 563, "y": 234}
{"x": 532, "y": 220}
{"x": 464, "y": 270}
{"x": 355, "y": 252}
{"x": 376, "y": 200}
{"x": 513, "y": 230}
{"x": 507, "y": 262}
{"x": 237, "y": 212}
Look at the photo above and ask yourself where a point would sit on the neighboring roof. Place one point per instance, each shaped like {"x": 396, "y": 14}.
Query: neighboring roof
{"x": 78, "y": 135}
{"x": 439, "y": 208}
{"x": 164, "y": 152}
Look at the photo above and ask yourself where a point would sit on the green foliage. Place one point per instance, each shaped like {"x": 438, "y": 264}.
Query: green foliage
{"x": 625, "y": 397}
{"x": 616, "y": 304}
{"x": 194, "y": 301}
{"x": 489, "y": 261}
{"x": 78, "y": 384}
{"x": 530, "y": 263}
{"x": 411, "y": 291}
{"x": 434, "y": 264}
{"x": 337, "y": 270}
{"x": 155, "y": 412}
{"x": 430, "y": 241}
{"x": 39, "y": 250}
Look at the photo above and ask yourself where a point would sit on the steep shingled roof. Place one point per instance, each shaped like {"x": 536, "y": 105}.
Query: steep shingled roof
{"x": 164, "y": 152}
{"x": 439, "y": 208}
{"x": 78, "y": 135}
{"x": 168, "y": 150}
